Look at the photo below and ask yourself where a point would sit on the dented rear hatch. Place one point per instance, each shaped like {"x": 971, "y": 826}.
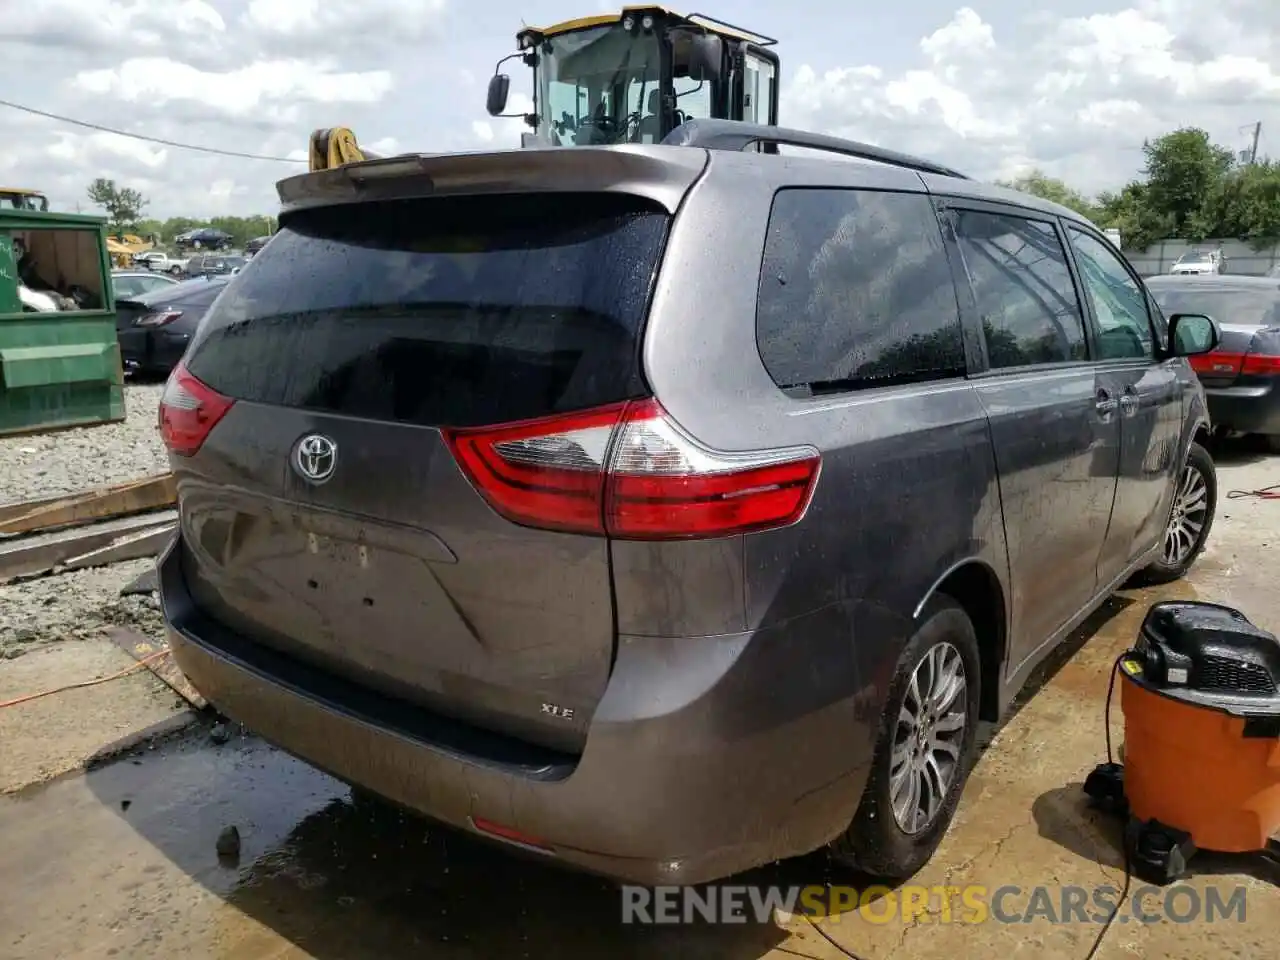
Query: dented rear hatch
{"x": 326, "y": 516}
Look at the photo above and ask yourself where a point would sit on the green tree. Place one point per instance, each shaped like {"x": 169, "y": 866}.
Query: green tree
{"x": 123, "y": 205}
{"x": 1039, "y": 184}
{"x": 1131, "y": 212}
{"x": 1244, "y": 204}
{"x": 1184, "y": 168}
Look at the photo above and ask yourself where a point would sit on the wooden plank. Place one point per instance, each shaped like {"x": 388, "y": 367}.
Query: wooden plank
{"x": 10, "y": 510}
{"x": 147, "y": 543}
{"x": 30, "y": 556}
{"x": 139, "y": 647}
{"x": 137, "y": 496}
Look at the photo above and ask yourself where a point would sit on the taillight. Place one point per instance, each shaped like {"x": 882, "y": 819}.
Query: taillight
{"x": 1217, "y": 364}
{"x": 629, "y": 471}
{"x": 1221, "y": 364}
{"x": 1260, "y": 364}
{"x": 158, "y": 319}
{"x": 542, "y": 473}
{"x": 189, "y": 409}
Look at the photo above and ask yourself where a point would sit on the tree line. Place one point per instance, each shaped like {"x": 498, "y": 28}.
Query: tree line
{"x": 1190, "y": 189}
{"x": 125, "y": 206}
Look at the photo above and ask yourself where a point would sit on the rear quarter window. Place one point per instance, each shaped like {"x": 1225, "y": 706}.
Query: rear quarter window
{"x": 446, "y": 312}
{"x": 856, "y": 292}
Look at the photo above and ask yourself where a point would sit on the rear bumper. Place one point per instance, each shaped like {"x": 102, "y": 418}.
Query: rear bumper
{"x": 151, "y": 350}
{"x": 698, "y": 764}
{"x": 1249, "y": 409}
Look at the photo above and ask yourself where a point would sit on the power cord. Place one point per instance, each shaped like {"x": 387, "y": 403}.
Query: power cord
{"x": 86, "y": 683}
{"x": 1124, "y": 847}
{"x": 1263, "y": 493}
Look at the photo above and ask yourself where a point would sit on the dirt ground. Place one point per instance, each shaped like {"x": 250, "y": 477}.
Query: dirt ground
{"x": 121, "y": 861}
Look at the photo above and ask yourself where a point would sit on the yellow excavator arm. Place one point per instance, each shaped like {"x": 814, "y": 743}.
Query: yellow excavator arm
{"x": 335, "y": 147}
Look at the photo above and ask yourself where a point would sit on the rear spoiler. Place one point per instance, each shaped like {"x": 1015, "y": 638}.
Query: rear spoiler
{"x": 656, "y": 173}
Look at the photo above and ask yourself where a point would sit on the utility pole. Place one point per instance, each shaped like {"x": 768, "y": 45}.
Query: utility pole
{"x": 1253, "y": 147}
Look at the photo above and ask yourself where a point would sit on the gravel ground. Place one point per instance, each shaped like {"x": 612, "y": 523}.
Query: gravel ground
{"x": 72, "y": 461}
{"x": 77, "y": 605}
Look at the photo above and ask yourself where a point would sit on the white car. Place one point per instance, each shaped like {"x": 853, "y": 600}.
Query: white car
{"x": 1198, "y": 262}
{"x": 161, "y": 262}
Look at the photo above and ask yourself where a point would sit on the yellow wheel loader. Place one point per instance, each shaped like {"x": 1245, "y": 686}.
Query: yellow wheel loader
{"x": 634, "y": 76}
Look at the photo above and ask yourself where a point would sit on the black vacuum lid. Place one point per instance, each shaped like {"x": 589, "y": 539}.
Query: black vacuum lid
{"x": 1211, "y": 654}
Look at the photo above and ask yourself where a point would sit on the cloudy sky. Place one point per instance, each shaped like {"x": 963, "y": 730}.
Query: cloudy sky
{"x": 991, "y": 88}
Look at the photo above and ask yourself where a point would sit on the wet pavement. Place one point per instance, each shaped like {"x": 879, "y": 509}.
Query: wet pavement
{"x": 122, "y": 861}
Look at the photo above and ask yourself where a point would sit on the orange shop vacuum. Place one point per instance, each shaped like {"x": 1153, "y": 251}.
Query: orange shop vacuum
{"x": 1200, "y": 692}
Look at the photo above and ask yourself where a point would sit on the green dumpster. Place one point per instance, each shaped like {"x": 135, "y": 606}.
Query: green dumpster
{"x": 59, "y": 356}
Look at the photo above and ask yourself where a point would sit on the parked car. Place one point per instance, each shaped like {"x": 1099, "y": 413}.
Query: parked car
{"x": 205, "y": 238}
{"x": 127, "y": 284}
{"x": 202, "y": 266}
{"x": 154, "y": 328}
{"x": 1242, "y": 376}
{"x": 602, "y": 537}
{"x": 1199, "y": 262}
{"x": 256, "y": 244}
{"x": 160, "y": 262}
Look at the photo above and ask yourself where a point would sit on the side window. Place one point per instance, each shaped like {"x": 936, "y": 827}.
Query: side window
{"x": 1124, "y": 320}
{"x": 757, "y": 89}
{"x": 855, "y": 292}
{"x": 1022, "y": 284}
{"x": 693, "y": 98}
{"x": 126, "y": 286}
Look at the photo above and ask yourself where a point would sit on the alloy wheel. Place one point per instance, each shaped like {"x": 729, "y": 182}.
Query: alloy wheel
{"x": 930, "y": 735}
{"x": 1188, "y": 518}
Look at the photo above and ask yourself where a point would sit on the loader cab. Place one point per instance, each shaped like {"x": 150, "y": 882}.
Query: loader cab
{"x": 634, "y": 77}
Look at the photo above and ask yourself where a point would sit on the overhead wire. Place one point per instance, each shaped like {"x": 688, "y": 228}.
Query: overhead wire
{"x": 218, "y": 151}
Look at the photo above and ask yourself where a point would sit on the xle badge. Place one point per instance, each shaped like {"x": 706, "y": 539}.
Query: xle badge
{"x": 560, "y": 713}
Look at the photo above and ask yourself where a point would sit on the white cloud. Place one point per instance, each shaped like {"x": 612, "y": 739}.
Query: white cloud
{"x": 1074, "y": 95}
{"x": 86, "y": 148}
{"x": 316, "y": 23}
{"x": 276, "y": 85}
{"x": 97, "y": 25}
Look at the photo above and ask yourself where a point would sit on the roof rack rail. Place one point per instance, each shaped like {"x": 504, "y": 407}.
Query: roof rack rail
{"x": 738, "y": 135}
{"x": 713, "y": 22}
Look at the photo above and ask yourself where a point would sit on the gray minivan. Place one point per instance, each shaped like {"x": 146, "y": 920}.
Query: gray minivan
{"x": 667, "y": 510}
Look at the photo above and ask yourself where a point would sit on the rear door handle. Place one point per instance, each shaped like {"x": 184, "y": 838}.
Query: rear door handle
{"x": 1106, "y": 404}
{"x": 1129, "y": 403}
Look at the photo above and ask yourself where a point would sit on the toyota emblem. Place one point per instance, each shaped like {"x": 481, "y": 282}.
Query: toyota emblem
{"x": 315, "y": 457}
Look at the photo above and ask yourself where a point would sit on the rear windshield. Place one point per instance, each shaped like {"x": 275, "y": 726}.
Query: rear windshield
{"x": 443, "y": 312}
{"x": 1244, "y": 306}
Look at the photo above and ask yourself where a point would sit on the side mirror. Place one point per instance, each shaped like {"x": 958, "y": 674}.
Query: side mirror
{"x": 499, "y": 90}
{"x": 1191, "y": 334}
{"x": 705, "y": 53}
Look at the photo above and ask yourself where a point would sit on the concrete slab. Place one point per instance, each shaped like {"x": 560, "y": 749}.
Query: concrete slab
{"x": 122, "y": 861}
{"x": 55, "y": 735}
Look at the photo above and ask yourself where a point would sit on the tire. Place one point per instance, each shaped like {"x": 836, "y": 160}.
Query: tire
{"x": 876, "y": 842}
{"x": 175, "y": 270}
{"x": 1174, "y": 566}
